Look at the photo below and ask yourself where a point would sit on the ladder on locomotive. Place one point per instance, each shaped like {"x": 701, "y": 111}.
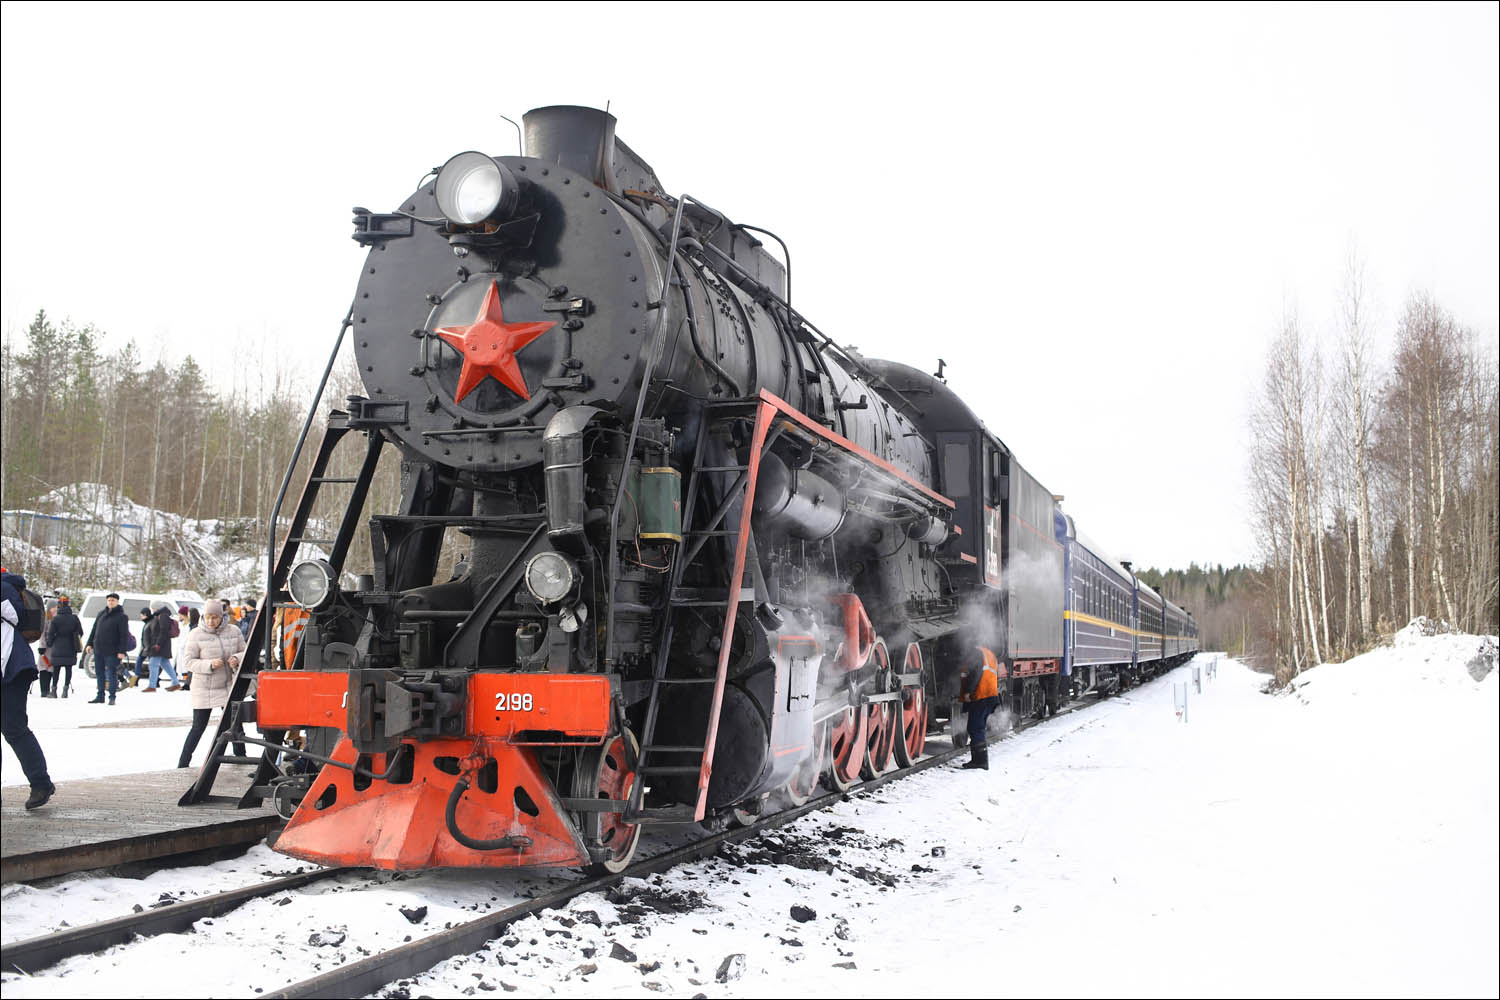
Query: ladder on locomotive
{"x": 231, "y": 722}
{"x": 694, "y": 759}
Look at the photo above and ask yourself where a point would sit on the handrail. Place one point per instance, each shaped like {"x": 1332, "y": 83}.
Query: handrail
{"x": 658, "y": 345}
{"x": 286, "y": 481}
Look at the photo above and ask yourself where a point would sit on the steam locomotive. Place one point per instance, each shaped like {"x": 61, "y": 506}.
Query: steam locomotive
{"x": 710, "y": 558}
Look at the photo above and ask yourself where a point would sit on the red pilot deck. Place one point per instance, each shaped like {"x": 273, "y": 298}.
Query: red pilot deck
{"x": 392, "y": 810}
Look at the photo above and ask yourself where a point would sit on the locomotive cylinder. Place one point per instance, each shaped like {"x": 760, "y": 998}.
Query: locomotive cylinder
{"x": 798, "y": 502}
{"x": 928, "y": 531}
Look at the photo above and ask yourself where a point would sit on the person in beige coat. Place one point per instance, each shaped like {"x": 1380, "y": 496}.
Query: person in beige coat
{"x": 211, "y": 654}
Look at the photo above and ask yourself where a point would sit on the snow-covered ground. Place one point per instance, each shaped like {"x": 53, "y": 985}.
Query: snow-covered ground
{"x": 139, "y": 732}
{"x": 1339, "y": 838}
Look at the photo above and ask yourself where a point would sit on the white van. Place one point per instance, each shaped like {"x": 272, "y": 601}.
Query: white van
{"x": 186, "y": 599}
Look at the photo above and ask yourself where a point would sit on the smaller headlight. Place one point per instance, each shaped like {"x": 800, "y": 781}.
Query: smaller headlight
{"x": 549, "y": 577}
{"x": 472, "y": 188}
{"x": 311, "y": 583}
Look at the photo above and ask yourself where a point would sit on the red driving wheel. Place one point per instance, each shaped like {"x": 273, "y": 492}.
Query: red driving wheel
{"x": 847, "y": 736}
{"x": 884, "y": 717}
{"x": 914, "y": 712}
{"x": 604, "y": 774}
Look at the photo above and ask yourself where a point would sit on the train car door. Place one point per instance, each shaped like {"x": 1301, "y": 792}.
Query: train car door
{"x": 997, "y": 501}
{"x": 1135, "y": 620}
{"x": 963, "y": 484}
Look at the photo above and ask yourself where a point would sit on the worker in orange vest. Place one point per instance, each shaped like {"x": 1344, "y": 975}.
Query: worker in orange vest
{"x": 980, "y": 692}
{"x": 290, "y": 621}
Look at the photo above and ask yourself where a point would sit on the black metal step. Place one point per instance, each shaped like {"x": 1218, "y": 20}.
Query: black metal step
{"x": 231, "y": 759}
{"x": 333, "y": 479}
{"x": 595, "y": 805}
{"x": 221, "y": 800}
{"x": 686, "y": 680}
{"x": 722, "y": 468}
{"x": 670, "y": 769}
{"x": 665, "y": 748}
{"x": 310, "y": 541}
{"x": 663, "y": 815}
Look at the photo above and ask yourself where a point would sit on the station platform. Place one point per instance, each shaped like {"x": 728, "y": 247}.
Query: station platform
{"x": 100, "y": 822}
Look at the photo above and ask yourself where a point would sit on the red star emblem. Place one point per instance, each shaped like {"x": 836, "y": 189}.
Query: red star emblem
{"x": 489, "y": 346}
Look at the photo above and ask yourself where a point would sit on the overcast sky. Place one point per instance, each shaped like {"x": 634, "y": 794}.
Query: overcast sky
{"x": 1096, "y": 216}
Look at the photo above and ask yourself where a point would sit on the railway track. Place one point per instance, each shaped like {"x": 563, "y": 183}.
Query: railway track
{"x": 409, "y": 959}
{"x": 37, "y": 953}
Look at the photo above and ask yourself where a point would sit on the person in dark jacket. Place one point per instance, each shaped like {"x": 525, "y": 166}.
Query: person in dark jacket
{"x": 157, "y": 641}
{"x": 107, "y": 642}
{"x": 19, "y": 670}
{"x": 247, "y": 619}
{"x": 63, "y": 639}
{"x": 980, "y": 692}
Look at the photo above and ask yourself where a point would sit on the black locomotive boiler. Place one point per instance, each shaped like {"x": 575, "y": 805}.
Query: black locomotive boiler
{"x": 710, "y": 558}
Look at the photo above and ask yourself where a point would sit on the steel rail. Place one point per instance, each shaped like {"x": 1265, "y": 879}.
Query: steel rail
{"x": 37, "y": 953}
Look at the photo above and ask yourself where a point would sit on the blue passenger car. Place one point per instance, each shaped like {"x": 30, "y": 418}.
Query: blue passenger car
{"x": 1098, "y": 637}
{"x": 1179, "y": 632}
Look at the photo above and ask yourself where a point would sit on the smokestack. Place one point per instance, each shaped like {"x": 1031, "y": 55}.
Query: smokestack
{"x": 581, "y": 139}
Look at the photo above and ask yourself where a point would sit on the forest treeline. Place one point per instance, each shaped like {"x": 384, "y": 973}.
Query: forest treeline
{"x": 166, "y": 436}
{"x": 1374, "y": 485}
{"x": 1216, "y": 596}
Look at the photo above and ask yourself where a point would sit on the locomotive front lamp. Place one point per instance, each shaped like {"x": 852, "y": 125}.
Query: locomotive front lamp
{"x": 472, "y": 188}
{"x": 549, "y": 577}
{"x": 311, "y": 583}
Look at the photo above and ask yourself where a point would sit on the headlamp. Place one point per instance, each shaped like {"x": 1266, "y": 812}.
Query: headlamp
{"x": 549, "y": 577}
{"x": 472, "y": 188}
{"x": 311, "y": 583}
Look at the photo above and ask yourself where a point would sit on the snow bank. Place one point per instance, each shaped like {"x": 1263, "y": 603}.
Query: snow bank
{"x": 221, "y": 556}
{"x": 1426, "y": 668}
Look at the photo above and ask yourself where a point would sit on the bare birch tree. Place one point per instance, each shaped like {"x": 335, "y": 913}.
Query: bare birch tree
{"x": 1356, "y": 380}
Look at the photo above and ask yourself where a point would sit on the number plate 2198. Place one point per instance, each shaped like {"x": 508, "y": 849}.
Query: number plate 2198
{"x": 512, "y": 701}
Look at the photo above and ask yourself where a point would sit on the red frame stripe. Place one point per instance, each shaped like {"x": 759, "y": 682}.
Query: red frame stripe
{"x": 849, "y": 446}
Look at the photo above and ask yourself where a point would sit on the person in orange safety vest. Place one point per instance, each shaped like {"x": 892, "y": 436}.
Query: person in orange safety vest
{"x": 980, "y": 692}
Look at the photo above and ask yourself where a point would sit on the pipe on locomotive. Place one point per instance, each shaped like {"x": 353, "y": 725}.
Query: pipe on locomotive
{"x": 610, "y": 636}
